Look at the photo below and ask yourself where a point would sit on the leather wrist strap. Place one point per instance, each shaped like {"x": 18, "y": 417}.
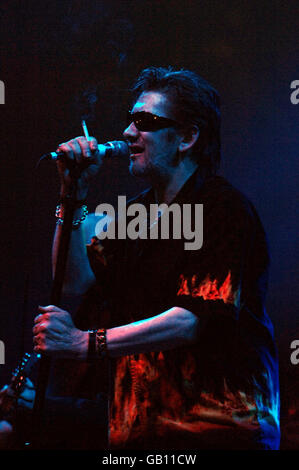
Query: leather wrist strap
{"x": 92, "y": 346}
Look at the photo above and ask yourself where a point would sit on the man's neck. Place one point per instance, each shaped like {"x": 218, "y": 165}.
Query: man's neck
{"x": 166, "y": 191}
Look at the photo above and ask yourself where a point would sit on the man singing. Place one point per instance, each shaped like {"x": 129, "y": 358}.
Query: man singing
{"x": 187, "y": 340}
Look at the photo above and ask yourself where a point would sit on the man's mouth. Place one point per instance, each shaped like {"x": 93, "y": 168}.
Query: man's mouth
{"x": 135, "y": 151}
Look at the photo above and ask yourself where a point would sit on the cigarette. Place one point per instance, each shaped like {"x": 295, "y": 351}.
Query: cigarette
{"x": 85, "y": 130}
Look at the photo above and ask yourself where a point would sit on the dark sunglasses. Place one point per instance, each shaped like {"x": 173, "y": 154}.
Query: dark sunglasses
{"x": 148, "y": 122}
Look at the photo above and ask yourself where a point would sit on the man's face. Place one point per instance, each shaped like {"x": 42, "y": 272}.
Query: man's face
{"x": 152, "y": 154}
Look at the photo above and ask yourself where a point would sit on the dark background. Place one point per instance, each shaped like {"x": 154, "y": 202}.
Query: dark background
{"x": 54, "y": 53}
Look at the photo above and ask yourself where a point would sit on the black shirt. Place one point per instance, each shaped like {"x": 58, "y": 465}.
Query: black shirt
{"x": 221, "y": 392}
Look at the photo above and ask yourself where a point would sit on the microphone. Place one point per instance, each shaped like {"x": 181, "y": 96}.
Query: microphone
{"x": 115, "y": 148}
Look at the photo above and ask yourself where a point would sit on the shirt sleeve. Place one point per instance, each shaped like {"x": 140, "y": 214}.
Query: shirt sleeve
{"x": 211, "y": 281}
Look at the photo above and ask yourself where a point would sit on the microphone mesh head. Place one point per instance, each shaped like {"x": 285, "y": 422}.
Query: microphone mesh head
{"x": 118, "y": 148}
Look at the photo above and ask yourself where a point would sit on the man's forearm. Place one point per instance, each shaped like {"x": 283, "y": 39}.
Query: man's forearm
{"x": 171, "y": 329}
{"x": 55, "y": 333}
{"x": 79, "y": 275}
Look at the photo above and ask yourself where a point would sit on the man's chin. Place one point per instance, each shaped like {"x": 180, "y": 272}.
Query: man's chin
{"x": 137, "y": 170}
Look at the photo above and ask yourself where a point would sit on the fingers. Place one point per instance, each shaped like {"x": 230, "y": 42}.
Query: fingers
{"x": 93, "y": 144}
{"x": 41, "y": 340}
{"x": 83, "y": 144}
{"x": 45, "y": 313}
{"x": 49, "y": 308}
{"x": 41, "y": 325}
{"x": 79, "y": 149}
{"x": 38, "y": 343}
{"x": 83, "y": 155}
{"x": 50, "y": 327}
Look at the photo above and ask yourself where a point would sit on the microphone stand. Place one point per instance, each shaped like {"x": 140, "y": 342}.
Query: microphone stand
{"x": 55, "y": 298}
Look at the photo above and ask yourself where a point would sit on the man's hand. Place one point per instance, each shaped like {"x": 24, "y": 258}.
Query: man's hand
{"x": 6, "y": 433}
{"x": 82, "y": 152}
{"x": 26, "y": 399}
{"x": 55, "y": 334}
{"x": 8, "y": 396}
{"x": 11, "y": 405}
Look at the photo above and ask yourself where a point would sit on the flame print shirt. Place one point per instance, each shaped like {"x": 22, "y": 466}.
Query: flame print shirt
{"x": 221, "y": 392}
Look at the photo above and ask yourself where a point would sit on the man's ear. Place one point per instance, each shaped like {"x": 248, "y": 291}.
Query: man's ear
{"x": 189, "y": 137}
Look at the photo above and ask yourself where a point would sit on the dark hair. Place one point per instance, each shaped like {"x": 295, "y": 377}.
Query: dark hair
{"x": 194, "y": 101}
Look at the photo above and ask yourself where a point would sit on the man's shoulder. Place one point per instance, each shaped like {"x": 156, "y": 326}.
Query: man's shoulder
{"x": 217, "y": 191}
{"x": 219, "y": 186}
{"x": 227, "y": 208}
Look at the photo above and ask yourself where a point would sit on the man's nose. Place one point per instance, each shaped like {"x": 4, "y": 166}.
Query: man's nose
{"x": 131, "y": 132}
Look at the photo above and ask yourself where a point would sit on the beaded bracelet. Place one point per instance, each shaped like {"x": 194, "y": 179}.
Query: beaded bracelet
{"x": 76, "y": 222}
{"x": 101, "y": 343}
{"x": 97, "y": 346}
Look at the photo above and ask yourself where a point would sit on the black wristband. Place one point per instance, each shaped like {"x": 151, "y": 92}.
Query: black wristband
{"x": 92, "y": 350}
